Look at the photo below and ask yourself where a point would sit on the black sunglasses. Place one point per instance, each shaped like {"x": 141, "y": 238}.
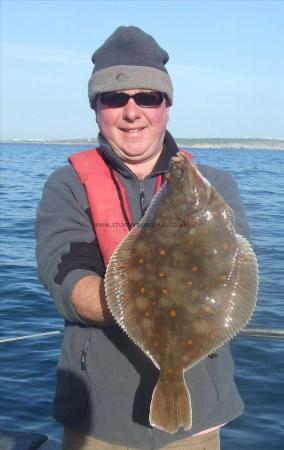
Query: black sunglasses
{"x": 143, "y": 99}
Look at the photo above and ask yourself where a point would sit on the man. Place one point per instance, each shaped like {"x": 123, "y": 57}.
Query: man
{"x": 105, "y": 382}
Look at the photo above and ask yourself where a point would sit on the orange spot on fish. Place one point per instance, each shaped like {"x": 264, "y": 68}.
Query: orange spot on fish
{"x": 225, "y": 246}
{"x": 165, "y": 291}
{"x": 185, "y": 358}
{"x": 156, "y": 344}
{"x": 190, "y": 342}
{"x": 162, "y": 252}
{"x": 161, "y": 275}
{"x": 154, "y": 303}
{"x": 142, "y": 290}
{"x": 170, "y": 370}
{"x": 141, "y": 260}
{"x": 194, "y": 269}
{"x": 189, "y": 283}
{"x": 147, "y": 314}
{"x": 206, "y": 309}
{"x": 173, "y": 312}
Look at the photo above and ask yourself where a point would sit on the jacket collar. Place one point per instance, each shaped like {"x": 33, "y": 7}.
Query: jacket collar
{"x": 169, "y": 149}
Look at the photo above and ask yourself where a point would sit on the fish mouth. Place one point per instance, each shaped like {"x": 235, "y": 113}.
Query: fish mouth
{"x": 184, "y": 175}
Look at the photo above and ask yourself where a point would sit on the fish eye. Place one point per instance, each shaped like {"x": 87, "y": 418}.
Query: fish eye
{"x": 178, "y": 172}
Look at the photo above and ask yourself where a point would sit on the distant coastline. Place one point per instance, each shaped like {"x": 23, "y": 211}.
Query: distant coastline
{"x": 210, "y": 143}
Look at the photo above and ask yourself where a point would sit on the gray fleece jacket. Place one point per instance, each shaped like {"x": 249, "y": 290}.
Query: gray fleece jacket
{"x": 104, "y": 381}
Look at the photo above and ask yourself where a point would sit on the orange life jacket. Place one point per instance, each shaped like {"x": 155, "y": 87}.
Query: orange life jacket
{"x": 107, "y": 199}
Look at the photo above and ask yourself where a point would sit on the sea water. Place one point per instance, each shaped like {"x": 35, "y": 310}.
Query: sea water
{"x": 28, "y": 367}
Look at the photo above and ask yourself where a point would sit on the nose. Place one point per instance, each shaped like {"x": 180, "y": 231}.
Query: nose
{"x": 131, "y": 111}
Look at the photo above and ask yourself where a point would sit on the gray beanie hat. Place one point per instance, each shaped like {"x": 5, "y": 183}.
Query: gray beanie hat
{"x": 129, "y": 59}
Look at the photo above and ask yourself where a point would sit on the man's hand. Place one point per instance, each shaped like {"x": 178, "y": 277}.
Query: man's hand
{"x": 89, "y": 301}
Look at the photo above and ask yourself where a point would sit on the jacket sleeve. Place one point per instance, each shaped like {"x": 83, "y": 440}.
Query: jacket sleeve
{"x": 66, "y": 246}
{"x": 226, "y": 185}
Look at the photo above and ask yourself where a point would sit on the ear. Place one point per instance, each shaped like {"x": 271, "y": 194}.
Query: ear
{"x": 96, "y": 110}
{"x": 168, "y": 111}
{"x": 95, "y": 103}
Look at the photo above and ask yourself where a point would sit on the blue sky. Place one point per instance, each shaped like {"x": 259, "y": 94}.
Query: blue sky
{"x": 226, "y": 64}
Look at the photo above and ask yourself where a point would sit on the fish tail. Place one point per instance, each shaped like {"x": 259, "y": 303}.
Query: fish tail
{"x": 170, "y": 406}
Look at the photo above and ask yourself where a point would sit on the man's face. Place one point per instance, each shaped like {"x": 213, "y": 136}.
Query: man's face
{"x": 135, "y": 133}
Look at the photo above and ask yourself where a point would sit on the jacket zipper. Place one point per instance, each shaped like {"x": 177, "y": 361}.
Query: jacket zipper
{"x": 142, "y": 197}
{"x": 84, "y": 353}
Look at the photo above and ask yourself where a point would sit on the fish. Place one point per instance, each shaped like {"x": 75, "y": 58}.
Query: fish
{"x": 181, "y": 284}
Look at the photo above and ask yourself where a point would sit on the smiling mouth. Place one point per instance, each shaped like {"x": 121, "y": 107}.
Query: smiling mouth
{"x": 132, "y": 130}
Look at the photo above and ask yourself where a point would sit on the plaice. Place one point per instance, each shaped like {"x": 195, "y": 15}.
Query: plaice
{"x": 181, "y": 284}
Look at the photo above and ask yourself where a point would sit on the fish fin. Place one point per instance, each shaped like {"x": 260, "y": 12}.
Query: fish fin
{"x": 118, "y": 293}
{"x": 237, "y": 308}
{"x": 116, "y": 278}
{"x": 170, "y": 407}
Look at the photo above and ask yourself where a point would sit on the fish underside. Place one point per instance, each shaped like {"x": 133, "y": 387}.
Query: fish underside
{"x": 181, "y": 284}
